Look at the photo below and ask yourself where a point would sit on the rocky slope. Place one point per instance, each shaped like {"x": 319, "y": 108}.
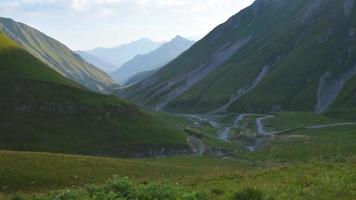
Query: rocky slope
{"x": 274, "y": 55}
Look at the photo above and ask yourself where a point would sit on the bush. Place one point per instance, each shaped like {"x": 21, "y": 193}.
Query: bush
{"x": 123, "y": 187}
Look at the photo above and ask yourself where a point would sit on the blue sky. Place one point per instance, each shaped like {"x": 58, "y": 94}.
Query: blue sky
{"x": 86, "y": 24}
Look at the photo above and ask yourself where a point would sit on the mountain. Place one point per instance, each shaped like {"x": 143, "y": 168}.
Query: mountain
{"x": 152, "y": 60}
{"x": 274, "y": 55}
{"x": 116, "y": 56}
{"x": 57, "y": 56}
{"x": 96, "y": 61}
{"x": 140, "y": 76}
{"x": 42, "y": 110}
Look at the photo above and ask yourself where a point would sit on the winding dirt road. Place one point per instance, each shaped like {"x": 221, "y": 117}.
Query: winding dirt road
{"x": 224, "y": 131}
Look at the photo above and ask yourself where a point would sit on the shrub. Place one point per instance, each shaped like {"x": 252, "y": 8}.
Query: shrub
{"x": 123, "y": 187}
{"x": 157, "y": 191}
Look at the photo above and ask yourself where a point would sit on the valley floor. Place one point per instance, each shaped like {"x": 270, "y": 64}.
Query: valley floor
{"x": 286, "y": 156}
{"x": 31, "y": 174}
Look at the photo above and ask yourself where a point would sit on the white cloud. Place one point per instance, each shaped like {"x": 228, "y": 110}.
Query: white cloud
{"x": 109, "y": 22}
{"x": 83, "y": 5}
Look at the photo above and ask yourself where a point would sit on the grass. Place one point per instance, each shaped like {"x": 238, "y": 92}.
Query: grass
{"x": 203, "y": 131}
{"x": 295, "y": 120}
{"x": 31, "y": 172}
{"x": 302, "y": 164}
{"x": 225, "y": 180}
{"x": 18, "y": 64}
{"x": 305, "y": 145}
{"x": 123, "y": 188}
{"x": 249, "y": 194}
{"x": 301, "y": 181}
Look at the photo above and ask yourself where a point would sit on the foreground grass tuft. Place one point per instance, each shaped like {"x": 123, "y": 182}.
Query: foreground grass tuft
{"x": 250, "y": 194}
{"x": 122, "y": 188}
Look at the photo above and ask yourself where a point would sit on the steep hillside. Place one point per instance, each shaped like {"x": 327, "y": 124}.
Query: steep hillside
{"x": 274, "y": 55}
{"x": 153, "y": 60}
{"x": 116, "y": 56}
{"x": 140, "y": 76}
{"x": 43, "y": 111}
{"x": 57, "y": 56}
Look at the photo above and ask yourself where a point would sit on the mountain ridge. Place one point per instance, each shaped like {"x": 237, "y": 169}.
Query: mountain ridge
{"x": 118, "y": 55}
{"x": 57, "y": 56}
{"x": 152, "y": 60}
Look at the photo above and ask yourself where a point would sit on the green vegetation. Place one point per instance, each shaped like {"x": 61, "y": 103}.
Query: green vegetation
{"x": 297, "y": 120}
{"x": 31, "y": 172}
{"x": 123, "y": 188}
{"x": 56, "y": 56}
{"x": 18, "y": 65}
{"x": 298, "y": 41}
{"x": 304, "y": 145}
{"x": 301, "y": 164}
{"x": 43, "y": 111}
{"x": 249, "y": 194}
{"x": 36, "y": 173}
{"x": 203, "y": 131}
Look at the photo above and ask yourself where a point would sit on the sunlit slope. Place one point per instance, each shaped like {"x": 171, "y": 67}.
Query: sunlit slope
{"x": 43, "y": 111}
{"x": 56, "y": 55}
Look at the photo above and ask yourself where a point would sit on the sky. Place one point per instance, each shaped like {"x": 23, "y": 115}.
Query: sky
{"x": 87, "y": 24}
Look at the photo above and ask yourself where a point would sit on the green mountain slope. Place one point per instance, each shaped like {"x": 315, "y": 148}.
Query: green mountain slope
{"x": 43, "y": 111}
{"x": 57, "y": 56}
{"x": 274, "y": 55}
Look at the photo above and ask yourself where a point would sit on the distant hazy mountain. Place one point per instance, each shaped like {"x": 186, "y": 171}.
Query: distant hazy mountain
{"x": 96, "y": 61}
{"x": 56, "y": 55}
{"x": 295, "y": 55}
{"x": 116, "y": 56}
{"x": 152, "y": 60}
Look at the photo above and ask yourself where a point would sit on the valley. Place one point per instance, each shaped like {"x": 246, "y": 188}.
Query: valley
{"x": 263, "y": 107}
{"x": 315, "y": 146}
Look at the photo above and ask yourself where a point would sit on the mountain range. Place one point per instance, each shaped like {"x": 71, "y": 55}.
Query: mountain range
{"x": 114, "y": 57}
{"x": 57, "y": 56}
{"x": 152, "y": 60}
{"x": 275, "y": 55}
